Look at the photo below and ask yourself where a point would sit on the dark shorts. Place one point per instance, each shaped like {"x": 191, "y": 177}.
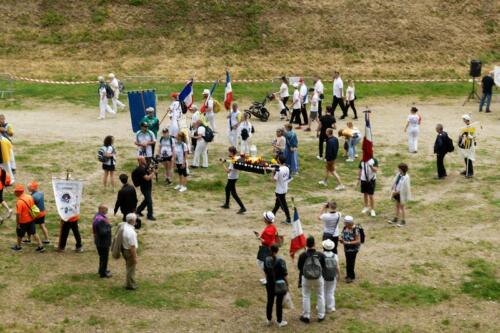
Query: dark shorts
{"x": 166, "y": 159}
{"x": 107, "y": 167}
{"x": 40, "y": 220}
{"x": 25, "y": 228}
{"x": 368, "y": 187}
{"x": 313, "y": 115}
{"x": 396, "y": 197}
{"x": 181, "y": 170}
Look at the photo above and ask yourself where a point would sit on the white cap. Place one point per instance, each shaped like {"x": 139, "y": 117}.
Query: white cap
{"x": 100, "y": 78}
{"x": 328, "y": 244}
{"x": 269, "y": 217}
{"x": 466, "y": 117}
{"x": 111, "y": 75}
{"x": 150, "y": 109}
{"x": 206, "y": 92}
{"x": 348, "y": 219}
{"x": 295, "y": 85}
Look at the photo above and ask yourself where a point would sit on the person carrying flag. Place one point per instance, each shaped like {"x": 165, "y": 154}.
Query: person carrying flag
{"x": 175, "y": 114}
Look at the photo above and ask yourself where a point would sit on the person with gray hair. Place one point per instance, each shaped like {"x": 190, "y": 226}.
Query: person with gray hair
{"x": 105, "y": 92}
{"x": 442, "y": 146}
{"x": 115, "y": 86}
{"x": 129, "y": 250}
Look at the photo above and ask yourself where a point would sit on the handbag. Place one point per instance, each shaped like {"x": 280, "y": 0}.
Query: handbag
{"x": 34, "y": 211}
{"x": 280, "y": 286}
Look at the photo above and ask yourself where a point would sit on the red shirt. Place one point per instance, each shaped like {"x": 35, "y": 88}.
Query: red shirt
{"x": 269, "y": 235}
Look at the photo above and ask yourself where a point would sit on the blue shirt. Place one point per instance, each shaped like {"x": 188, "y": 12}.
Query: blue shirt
{"x": 39, "y": 200}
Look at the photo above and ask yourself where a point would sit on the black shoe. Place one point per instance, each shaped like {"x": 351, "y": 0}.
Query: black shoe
{"x": 16, "y": 248}
{"x": 488, "y": 111}
{"x": 463, "y": 172}
{"x": 40, "y": 249}
{"x": 304, "y": 319}
{"x": 349, "y": 280}
{"x": 139, "y": 214}
{"x": 342, "y": 117}
{"x": 193, "y": 167}
{"x": 241, "y": 211}
{"x": 107, "y": 275}
{"x": 321, "y": 319}
{"x": 26, "y": 241}
{"x": 46, "y": 241}
{"x": 151, "y": 218}
{"x": 131, "y": 288}
{"x": 355, "y": 118}
{"x": 225, "y": 206}
{"x": 287, "y": 222}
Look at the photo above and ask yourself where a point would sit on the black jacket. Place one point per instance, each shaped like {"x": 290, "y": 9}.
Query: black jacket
{"x": 126, "y": 200}
{"x": 441, "y": 143}
{"x": 275, "y": 269}
{"x": 102, "y": 233}
{"x": 332, "y": 148}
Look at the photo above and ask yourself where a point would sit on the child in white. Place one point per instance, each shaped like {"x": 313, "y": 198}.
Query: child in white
{"x": 116, "y": 89}
{"x": 103, "y": 99}
{"x": 245, "y": 144}
{"x": 413, "y": 128}
{"x": 330, "y": 274}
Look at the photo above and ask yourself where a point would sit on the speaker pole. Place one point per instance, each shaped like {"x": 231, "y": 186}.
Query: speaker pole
{"x": 473, "y": 93}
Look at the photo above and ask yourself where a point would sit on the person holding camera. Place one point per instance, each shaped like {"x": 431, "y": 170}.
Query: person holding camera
{"x": 166, "y": 152}
{"x": 143, "y": 175}
{"x": 232, "y": 178}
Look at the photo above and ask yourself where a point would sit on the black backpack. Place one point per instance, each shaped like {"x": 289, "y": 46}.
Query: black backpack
{"x": 209, "y": 134}
{"x": 100, "y": 154}
{"x": 244, "y": 134}
{"x": 184, "y": 108}
{"x": 361, "y": 233}
{"x": 136, "y": 177}
{"x": 109, "y": 92}
{"x": 449, "y": 145}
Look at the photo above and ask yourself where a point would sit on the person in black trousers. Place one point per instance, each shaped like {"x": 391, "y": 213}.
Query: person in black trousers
{"x": 275, "y": 269}
{"x": 338, "y": 95}
{"x": 351, "y": 239}
{"x": 66, "y": 226}
{"x": 126, "y": 200}
{"x": 144, "y": 176}
{"x": 232, "y": 178}
{"x": 282, "y": 176}
{"x": 102, "y": 239}
{"x": 325, "y": 122}
{"x": 441, "y": 149}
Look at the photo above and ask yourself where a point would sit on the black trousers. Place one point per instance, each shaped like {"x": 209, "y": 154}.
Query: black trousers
{"x": 440, "y": 165}
{"x": 231, "y": 190}
{"x": 351, "y": 104}
{"x": 285, "y": 110}
{"x": 281, "y": 203}
{"x": 320, "y": 107}
{"x": 103, "y": 260}
{"x": 334, "y": 239}
{"x": 350, "y": 262}
{"x": 270, "y": 302}
{"x": 469, "y": 168}
{"x": 322, "y": 140}
{"x": 339, "y": 102}
{"x": 303, "y": 110}
{"x": 295, "y": 118}
{"x": 63, "y": 238}
{"x": 147, "y": 201}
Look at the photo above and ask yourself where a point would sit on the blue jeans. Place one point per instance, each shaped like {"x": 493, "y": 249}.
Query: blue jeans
{"x": 353, "y": 141}
{"x": 486, "y": 97}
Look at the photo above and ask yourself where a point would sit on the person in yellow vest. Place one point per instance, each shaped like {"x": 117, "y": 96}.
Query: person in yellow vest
{"x": 7, "y": 132}
{"x": 25, "y": 222}
{"x": 467, "y": 145}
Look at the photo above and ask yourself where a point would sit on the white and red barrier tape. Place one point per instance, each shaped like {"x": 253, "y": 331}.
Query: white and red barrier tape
{"x": 21, "y": 78}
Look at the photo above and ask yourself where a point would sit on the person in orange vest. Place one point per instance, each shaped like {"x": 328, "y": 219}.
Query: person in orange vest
{"x": 39, "y": 199}
{"x": 25, "y": 223}
{"x": 4, "y": 181}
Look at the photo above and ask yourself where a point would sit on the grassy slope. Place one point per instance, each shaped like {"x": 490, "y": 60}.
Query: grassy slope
{"x": 257, "y": 38}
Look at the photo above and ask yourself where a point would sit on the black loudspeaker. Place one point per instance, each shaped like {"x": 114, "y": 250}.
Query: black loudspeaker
{"x": 475, "y": 68}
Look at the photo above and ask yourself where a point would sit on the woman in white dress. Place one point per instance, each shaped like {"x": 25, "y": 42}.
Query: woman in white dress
{"x": 413, "y": 128}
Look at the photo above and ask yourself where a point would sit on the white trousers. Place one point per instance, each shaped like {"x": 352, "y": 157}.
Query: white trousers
{"x": 201, "y": 149}
{"x": 233, "y": 138}
{"x": 307, "y": 287}
{"x": 104, "y": 107}
{"x": 210, "y": 116}
{"x": 245, "y": 147}
{"x": 330, "y": 294}
{"x": 413, "y": 139}
{"x": 116, "y": 103}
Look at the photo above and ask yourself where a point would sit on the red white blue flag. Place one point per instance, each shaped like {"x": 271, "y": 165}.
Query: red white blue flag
{"x": 367, "y": 145}
{"x": 298, "y": 240}
{"x": 228, "y": 92}
{"x": 186, "y": 95}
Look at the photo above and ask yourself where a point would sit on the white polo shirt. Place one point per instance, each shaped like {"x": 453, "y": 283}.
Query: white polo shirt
{"x": 143, "y": 137}
{"x": 281, "y": 177}
{"x": 315, "y": 102}
{"x": 296, "y": 99}
{"x": 318, "y": 87}
{"x": 338, "y": 87}
{"x": 304, "y": 99}
{"x": 284, "y": 90}
{"x": 129, "y": 237}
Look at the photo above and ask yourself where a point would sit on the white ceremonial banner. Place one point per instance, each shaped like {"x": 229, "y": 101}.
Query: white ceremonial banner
{"x": 68, "y": 195}
{"x": 496, "y": 75}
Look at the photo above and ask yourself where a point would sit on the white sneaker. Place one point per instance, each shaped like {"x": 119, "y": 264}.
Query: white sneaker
{"x": 263, "y": 281}
{"x": 100, "y": 118}
{"x": 365, "y": 210}
{"x": 283, "y": 323}
{"x": 319, "y": 157}
{"x": 349, "y": 160}
{"x": 322, "y": 182}
{"x": 340, "y": 188}
{"x": 372, "y": 213}
{"x": 268, "y": 322}
{"x": 177, "y": 187}
{"x": 183, "y": 189}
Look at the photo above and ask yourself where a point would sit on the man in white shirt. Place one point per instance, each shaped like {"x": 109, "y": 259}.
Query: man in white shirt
{"x": 103, "y": 99}
{"x": 319, "y": 88}
{"x": 304, "y": 100}
{"x": 315, "y": 102}
{"x": 208, "y": 108}
{"x": 129, "y": 249}
{"x": 201, "y": 146}
{"x": 233, "y": 121}
{"x": 296, "y": 105}
{"x": 144, "y": 140}
{"x": 338, "y": 94}
{"x": 282, "y": 177}
{"x": 113, "y": 82}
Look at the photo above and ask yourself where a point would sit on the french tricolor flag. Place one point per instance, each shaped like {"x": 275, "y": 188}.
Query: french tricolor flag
{"x": 186, "y": 95}
{"x": 298, "y": 240}
{"x": 367, "y": 145}
{"x": 228, "y": 92}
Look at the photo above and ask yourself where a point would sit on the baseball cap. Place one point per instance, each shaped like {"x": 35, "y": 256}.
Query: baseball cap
{"x": 348, "y": 219}
{"x": 19, "y": 188}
